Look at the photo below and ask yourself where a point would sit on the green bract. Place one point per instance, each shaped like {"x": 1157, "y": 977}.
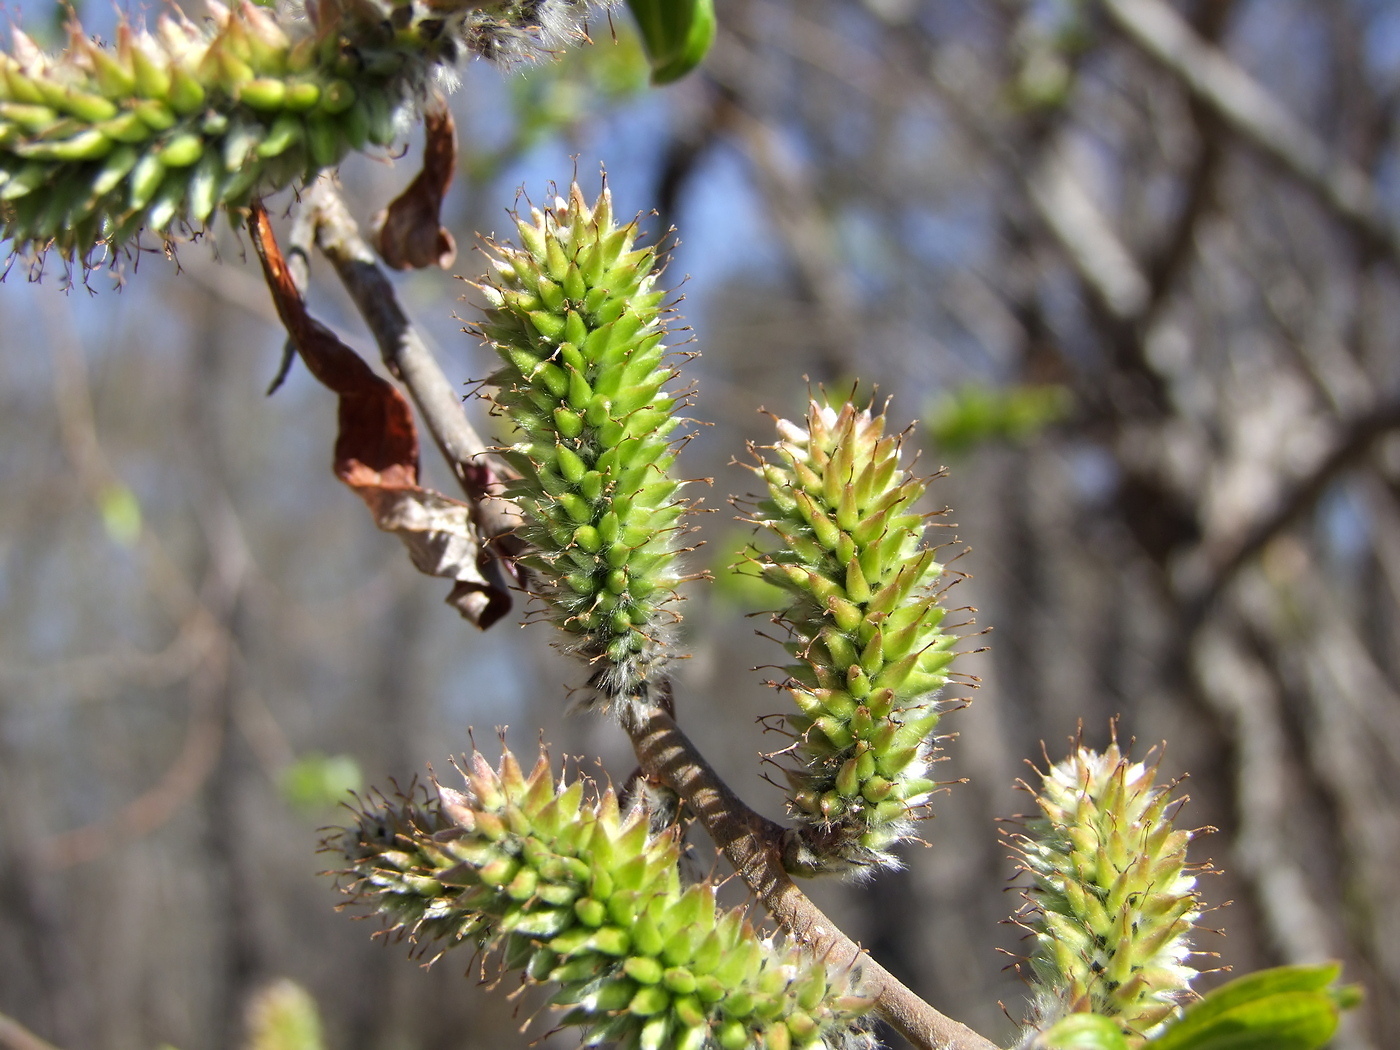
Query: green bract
{"x": 154, "y": 133}
{"x": 1081, "y": 1032}
{"x": 676, "y": 34}
{"x": 866, "y": 631}
{"x": 582, "y": 896}
{"x": 1113, "y": 901}
{"x": 576, "y": 320}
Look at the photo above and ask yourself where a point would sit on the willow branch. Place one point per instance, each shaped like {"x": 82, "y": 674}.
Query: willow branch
{"x": 1228, "y": 558}
{"x": 1256, "y": 116}
{"x": 1099, "y": 256}
{"x": 409, "y": 360}
{"x": 754, "y": 845}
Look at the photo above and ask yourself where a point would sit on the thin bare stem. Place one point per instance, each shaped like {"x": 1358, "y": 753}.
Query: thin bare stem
{"x": 1256, "y": 116}
{"x": 754, "y": 845}
{"x": 1356, "y": 442}
{"x": 408, "y": 358}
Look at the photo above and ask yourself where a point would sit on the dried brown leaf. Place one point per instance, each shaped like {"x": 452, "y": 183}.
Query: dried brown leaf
{"x": 409, "y": 233}
{"x": 376, "y": 450}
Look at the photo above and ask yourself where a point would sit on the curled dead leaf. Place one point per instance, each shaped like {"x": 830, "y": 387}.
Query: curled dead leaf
{"x": 409, "y": 233}
{"x": 376, "y": 451}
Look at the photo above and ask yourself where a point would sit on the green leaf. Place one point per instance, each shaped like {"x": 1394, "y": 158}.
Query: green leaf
{"x": 976, "y": 413}
{"x": 315, "y": 781}
{"x": 1287, "y": 1008}
{"x": 121, "y": 514}
{"x": 676, "y": 34}
{"x": 1083, "y": 1032}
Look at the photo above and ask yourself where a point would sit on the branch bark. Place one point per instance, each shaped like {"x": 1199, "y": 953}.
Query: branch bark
{"x": 1228, "y": 558}
{"x": 1256, "y": 116}
{"x": 753, "y": 844}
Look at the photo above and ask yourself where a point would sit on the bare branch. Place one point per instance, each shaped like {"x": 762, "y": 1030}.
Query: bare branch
{"x": 754, "y": 845}
{"x": 1100, "y": 257}
{"x": 408, "y": 358}
{"x": 1255, "y": 115}
{"x": 1227, "y": 558}
{"x": 1239, "y": 691}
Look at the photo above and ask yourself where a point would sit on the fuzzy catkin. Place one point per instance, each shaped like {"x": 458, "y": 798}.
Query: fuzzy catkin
{"x": 577, "y": 322}
{"x": 152, "y": 134}
{"x": 866, "y": 631}
{"x": 585, "y": 898}
{"x": 1113, "y": 901}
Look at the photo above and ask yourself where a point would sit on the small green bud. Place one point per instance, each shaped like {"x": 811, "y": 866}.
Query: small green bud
{"x": 186, "y": 94}
{"x": 265, "y": 94}
{"x": 643, "y": 969}
{"x": 286, "y": 131}
{"x": 181, "y": 151}
{"x": 145, "y": 179}
{"x": 302, "y": 95}
{"x": 590, "y": 912}
{"x": 337, "y": 97}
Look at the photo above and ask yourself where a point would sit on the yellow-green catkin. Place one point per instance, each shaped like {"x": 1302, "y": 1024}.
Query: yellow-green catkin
{"x": 866, "y": 632}
{"x": 1113, "y": 901}
{"x": 577, "y": 321}
{"x": 586, "y": 899}
{"x": 154, "y": 132}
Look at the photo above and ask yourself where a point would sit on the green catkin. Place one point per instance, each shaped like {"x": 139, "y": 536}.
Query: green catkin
{"x": 1113, "y": 900}
{"x": 98, "y": 144}
{"x": 586, "y": 898}
{"x": 577, "y": 321}
{"x": 866, "y": 633}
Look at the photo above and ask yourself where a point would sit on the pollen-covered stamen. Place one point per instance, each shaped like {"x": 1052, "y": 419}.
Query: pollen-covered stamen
{"x": 866, "y": 631}
{"x": 578, "y": 323}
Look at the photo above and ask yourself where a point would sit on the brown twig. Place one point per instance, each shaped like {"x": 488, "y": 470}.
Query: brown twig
{"x": 753, "y": 844}
{"x": 409, "y": 360}
{"x": 405, "y": 353}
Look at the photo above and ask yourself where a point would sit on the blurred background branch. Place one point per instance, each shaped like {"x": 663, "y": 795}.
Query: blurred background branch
{"x": 1133, "y": 261}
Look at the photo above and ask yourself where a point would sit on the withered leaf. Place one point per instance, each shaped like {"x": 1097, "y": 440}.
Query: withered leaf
{"x": 376, "y": 450}
{"x": 409, "y": 233}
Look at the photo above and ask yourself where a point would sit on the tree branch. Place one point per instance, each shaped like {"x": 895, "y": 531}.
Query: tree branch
{"x": 1256, "y": 116}
{"x": 1228, "y": 558}
{"x": 1099, "y": 256}
{"x": 753, "y": 844}
{"x": 409, "y": 360}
